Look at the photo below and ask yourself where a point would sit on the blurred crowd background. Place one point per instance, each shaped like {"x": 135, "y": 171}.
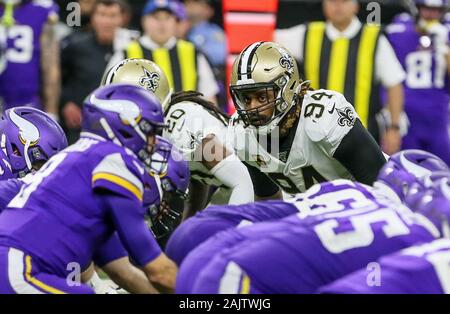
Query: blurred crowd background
{"x": 53, "y": 64}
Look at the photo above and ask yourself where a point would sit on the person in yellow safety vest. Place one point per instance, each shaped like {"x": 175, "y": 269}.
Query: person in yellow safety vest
{"x": 355, "y": 59}
{"x": 185, "y": 67}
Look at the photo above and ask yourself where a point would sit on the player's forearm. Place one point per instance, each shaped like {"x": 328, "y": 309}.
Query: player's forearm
{"x": 51, "y": 77}
{"x": 87, "y": 274}
{"x": 132, "y": 229}
{"x": 198, "y": 197}
{"x": 277, "y": 196}
{"x": 395, "y": 102}
{"x": 128, "y": 277}
{"x": 232, "y": 173}
{"x": 162, "y": 273}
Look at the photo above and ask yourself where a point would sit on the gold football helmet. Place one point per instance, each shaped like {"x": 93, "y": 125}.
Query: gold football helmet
{"x": 270, "y": 67}
{"x": 143, "y": 73}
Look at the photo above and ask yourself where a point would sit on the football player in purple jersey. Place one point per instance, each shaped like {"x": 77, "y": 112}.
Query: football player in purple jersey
{"x": 31, "y": 77}
{"x": 422, "y": 47}
{"x": 423, "y": 268}
{"x": 74, "y": 204}
{"x": 346, "y": 228}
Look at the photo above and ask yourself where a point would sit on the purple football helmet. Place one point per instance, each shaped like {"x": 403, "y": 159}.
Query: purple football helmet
{"x": 29, "y": 137}
{"x": 409, "y": 168}
{"x": 127, "y": 115}
{"x": 152, "y": 191}
{"x": 176, "y": 179}
{"x": 435, "y": 205}
{"x": 418, "y": 189}
{"x": 167, "y": 215}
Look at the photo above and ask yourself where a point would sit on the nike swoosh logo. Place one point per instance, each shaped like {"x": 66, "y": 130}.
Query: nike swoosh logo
{"x": 269, "y": 69}
{"x": 332, "y": 110}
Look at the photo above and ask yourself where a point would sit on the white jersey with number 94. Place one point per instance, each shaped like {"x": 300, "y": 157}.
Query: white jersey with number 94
{"x": 326, "y": 118}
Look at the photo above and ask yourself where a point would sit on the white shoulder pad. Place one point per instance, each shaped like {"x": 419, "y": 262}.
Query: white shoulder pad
{"x": 327, "y": 115}
{"x": 189, "y": 124}
{"x": 114, "y": 165}
{"x": 395, "y": 28}
{"x": 43, "y": 3}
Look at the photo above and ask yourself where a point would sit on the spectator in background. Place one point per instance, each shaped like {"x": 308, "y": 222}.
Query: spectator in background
{"x": 352, "y": 58}
{"x": 32, "y": 75}
{"x": 422, "y": 46}
{"x": 86, "y": 7}
{"x": 208, "y": 37}
{"x": 84, "y": 58}
{"x": 183, "y": 22}
{"x": 185, "y": 67}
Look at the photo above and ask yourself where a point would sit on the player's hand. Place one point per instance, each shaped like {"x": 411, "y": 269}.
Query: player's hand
{"x": 72, "y": 115}
{"x": 392, "y": 141}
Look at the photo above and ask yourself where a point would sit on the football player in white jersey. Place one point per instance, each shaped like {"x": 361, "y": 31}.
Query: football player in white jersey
{"x": 290, "y": 135}
{"x": 199, "y": 129}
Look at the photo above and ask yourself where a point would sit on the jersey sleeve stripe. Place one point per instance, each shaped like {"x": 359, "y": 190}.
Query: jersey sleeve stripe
{"x": 136, "y": 191}
{"x": 114, "y": 164}
{"x": 245, "y": 285}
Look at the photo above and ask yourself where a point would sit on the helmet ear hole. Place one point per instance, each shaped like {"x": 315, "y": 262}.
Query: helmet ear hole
{"x": 16, "y": 150}
{"x": 109, "y": 95}
{"x": 125, "y": 134}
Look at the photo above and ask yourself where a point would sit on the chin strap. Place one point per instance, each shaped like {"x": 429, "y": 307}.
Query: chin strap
{"x": 109, "y": 131}
{"x": 27, "y": 158}
{"x": 445, "y": 229}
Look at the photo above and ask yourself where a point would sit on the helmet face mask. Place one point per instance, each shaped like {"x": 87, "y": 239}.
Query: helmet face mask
{"x": 163, "y": 217}
{"x": 409, "y": 169}
{"x": 434, "y": 204}
{"x": 158, "y": 156}
{"x": 268, "y": 68}
{"x": 267, "y": 95}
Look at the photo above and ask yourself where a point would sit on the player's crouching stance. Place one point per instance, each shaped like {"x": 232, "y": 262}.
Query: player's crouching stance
{"x": 312, "y": 136}
{"x": 349, "y": 226}
{"x": 420, "y": 269}
{"x": 199, "y": 129}
{"x": 75, "y": 203}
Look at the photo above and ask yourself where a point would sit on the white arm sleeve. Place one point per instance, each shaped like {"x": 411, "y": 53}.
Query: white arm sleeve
{"x": 388, "y": 69}
{"x": 233, "y": 173}
{"x": 292, "y": 38}
{"x": 207, "y": 84}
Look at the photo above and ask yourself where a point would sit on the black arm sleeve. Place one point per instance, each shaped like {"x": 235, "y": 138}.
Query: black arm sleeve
{"x": 360, "y": 154}
{"x": 262, "y": 184}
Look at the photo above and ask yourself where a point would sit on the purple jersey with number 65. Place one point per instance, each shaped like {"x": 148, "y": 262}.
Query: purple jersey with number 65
{"x": 421, "y": 269}
{"x": 214, "y": 219}
{"x": 303, "y": 252}
{"x": 349, "y": 224}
